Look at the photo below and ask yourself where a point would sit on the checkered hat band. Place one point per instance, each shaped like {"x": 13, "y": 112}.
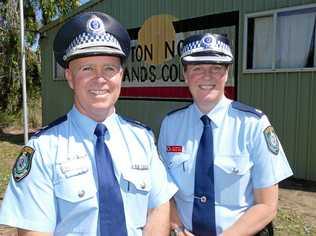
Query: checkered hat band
{"x": 86, "y": 39}
{"x": 195, "y": 47}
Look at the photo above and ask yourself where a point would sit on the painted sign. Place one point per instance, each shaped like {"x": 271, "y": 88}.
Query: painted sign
{"x": 153, "y": 69}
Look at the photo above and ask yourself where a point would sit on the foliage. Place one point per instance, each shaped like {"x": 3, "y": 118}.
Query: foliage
{"x": 15, "y": 120}
{"x": 9, "y": 60}
{"x": 36, "y": 14}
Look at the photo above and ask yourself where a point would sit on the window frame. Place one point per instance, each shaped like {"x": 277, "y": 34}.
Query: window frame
{"x": 274, "y": 15}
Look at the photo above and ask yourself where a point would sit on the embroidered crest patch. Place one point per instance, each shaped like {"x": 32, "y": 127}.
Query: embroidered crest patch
{"x": 23, "y": 164}
{"x": 271, "y": 140}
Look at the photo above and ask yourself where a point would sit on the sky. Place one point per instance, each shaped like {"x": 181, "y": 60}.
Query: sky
{"x": 83, "y": 1}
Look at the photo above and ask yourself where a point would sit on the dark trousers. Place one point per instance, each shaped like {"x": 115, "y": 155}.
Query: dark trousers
{"x": 266, "y": 231}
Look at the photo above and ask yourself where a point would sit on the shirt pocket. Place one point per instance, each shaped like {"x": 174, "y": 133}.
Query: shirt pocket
{"x": 177, "y": 160}
{"x": 77, "y": 188}
{"x": 136, "y": 196}
{"x": 180, "y": 168}
{"x": 233, "y": 180}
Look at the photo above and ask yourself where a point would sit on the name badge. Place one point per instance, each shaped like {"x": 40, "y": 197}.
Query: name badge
{"x": 140, "y": 167}
{"x": 174, "y": 148}
{"x": 75, "y": 166}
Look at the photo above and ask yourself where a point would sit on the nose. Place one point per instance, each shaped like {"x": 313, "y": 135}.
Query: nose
{"x": 209, "y": 74}
{"x": 100, "y": 75}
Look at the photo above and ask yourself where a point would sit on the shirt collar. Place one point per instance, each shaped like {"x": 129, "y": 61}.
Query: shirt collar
{"x": 111, "y": 123}
{"x": 217, "y": 113}
{"x": 87, "y": 125}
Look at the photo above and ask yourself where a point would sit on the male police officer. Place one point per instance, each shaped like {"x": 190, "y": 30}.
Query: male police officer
{"x": 90, "y": 172}
{"x": 224, "y": 156}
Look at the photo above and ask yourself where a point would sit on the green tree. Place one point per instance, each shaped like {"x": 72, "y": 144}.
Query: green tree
{"x": 36, "y": 14}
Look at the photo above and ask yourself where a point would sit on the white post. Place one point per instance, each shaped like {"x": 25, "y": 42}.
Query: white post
{"x": 25, "y": 119}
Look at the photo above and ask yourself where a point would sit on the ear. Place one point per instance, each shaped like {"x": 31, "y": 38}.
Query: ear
{"x": 122, "y": 72}
{"x": 227, "y": 73}
{"x": 69, "y": 77}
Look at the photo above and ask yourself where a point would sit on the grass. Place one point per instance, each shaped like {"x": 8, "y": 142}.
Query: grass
{"x": 10, "y": 144}
{"x": 289, "y": 222}
{"x": 8, "y": 154}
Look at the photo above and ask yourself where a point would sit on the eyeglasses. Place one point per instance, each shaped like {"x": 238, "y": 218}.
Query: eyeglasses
{"x": 107, "y": 71}
{"x": 199, "y": 70}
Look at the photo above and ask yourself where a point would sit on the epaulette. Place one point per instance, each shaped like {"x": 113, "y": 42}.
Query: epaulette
{"x": 178, "y": 109}
{"x": 136, "y": 123}
{"x": 243, "y": 107}
{"x": 50, "y": 125}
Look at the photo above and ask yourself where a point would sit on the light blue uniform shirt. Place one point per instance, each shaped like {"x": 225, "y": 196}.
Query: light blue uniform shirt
{"x": 60, "y": 192}
{"x": 242, "y": 159}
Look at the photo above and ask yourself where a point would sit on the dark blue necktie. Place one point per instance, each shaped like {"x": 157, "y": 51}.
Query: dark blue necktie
{"x": 203, "y": 216}
{"x": 111, "y": 208}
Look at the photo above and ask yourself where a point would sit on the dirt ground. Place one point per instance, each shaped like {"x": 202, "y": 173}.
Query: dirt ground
{"x": 299, "y": 196}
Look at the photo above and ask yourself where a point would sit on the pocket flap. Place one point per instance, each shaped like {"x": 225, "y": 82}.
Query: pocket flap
{"x": 75, "y": 189}
{"x": 139, "y": 178}
{"x": 236, "y": 165}
{"x": 175, "y": 160}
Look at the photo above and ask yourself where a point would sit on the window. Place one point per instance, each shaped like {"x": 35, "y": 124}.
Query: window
{"x": 279, "y": 40}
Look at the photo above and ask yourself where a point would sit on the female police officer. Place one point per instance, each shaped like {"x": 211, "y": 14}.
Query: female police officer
{"x": 224, "y": 156}
{"x": 91, "y": 172}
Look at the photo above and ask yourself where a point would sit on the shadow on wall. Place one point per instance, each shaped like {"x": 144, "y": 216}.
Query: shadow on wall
{"x": 298, "y": 184}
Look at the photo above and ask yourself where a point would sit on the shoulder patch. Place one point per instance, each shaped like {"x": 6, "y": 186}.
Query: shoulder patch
{"x": 271, "y": 140}
{"x": 243, "y": 107}
{"x": 178, "y": 109}
{"x": 136, "y": 123}
{"x": 50, "y": 125}
{"x": 23, "y": 163}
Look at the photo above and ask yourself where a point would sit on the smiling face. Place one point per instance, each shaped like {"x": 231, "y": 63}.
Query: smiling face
{"x": 206, "y": 83}
{"x": 96, "y": 82}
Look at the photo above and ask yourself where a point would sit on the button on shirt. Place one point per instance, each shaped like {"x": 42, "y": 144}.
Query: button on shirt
{"x": 242, "y": 160}
{"x": 60, "y": 193}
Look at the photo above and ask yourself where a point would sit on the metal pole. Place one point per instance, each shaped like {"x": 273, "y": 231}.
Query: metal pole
{"x": 25, "y": 119}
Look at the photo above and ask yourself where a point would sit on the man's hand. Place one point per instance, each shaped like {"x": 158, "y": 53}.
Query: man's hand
{"x": 158, "y": 222}
{"x": 176, "y": 224}
{"x": 257, "y": 216}
{"x": 22, "y": 232}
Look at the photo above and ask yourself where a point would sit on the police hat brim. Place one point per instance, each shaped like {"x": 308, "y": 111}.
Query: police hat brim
{"x": 207, "y": 58}
{"x": 96, "y": 51}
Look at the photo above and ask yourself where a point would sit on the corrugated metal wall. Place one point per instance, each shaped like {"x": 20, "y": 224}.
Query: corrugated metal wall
{"x": 288, "y": 98}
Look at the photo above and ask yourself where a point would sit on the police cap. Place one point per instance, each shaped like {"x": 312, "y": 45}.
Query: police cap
{"x": 206, "y": 48}
{"x": 88, "y": 34}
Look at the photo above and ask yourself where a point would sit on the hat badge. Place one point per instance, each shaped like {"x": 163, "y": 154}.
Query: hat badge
{"x": 207, "y": 41}
{"x": 95, "y": 25}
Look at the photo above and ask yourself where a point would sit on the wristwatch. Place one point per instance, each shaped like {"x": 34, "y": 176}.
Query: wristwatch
{"x": 176, "y": 231}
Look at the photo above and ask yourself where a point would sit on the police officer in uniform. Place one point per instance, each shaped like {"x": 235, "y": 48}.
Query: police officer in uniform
{"x": 90, "y": 172}
{"x": 224, "y": 156}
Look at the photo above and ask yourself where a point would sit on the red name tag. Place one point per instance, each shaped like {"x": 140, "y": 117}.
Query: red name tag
{"x": 174, "y": 148}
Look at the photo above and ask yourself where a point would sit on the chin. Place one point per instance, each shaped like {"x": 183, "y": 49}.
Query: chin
{"x": 102, "y": 107}
{"x": 210, "y": 98}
